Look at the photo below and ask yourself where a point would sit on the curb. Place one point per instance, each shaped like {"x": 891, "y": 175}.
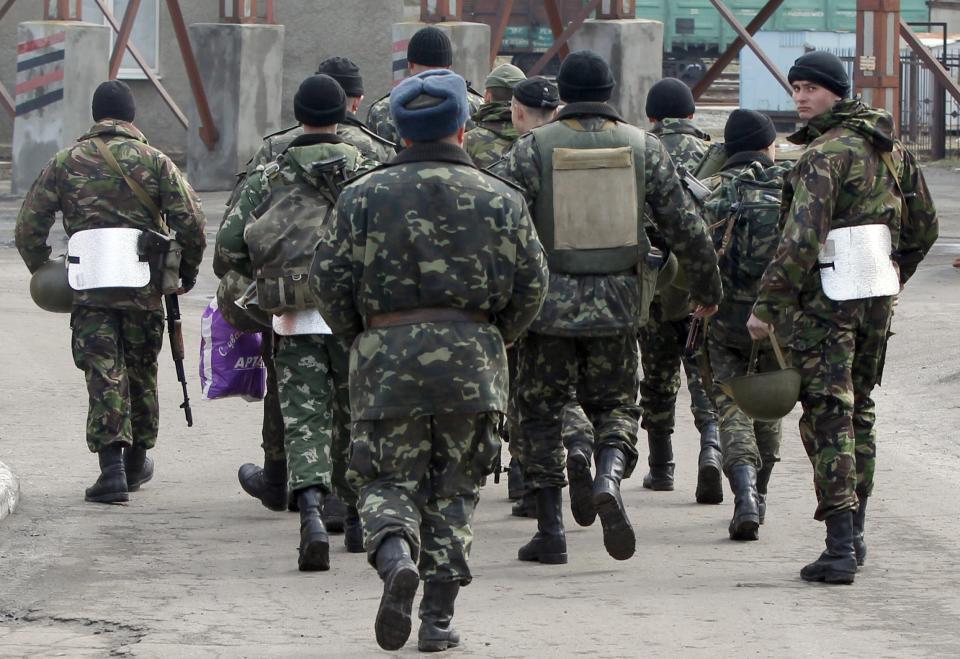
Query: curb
{"x": 9, "y": 491}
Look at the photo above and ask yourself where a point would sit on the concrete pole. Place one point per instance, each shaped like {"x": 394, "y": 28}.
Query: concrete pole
{"x": 471, "y": 49}
{"x": 59, "y": 65}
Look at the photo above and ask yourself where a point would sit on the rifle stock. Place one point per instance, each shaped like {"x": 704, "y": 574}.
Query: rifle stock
{"x": 175, "y": 332}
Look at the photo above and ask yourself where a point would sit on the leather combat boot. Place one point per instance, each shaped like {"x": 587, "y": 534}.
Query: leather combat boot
{"x": 526, "y": 506}
{"x": 514, "y": 480}
{"x": 436, "y": 613}
{"x": 138, "y": 466}
{"x": 709, "y": 474}
{"x": 111, "y": 486}
{"x": 859, "y": 518}
{"x": 618, "y": 536}
{"x": 745, "y": 524}
{"x": 400, "y": 581}
{"x": 660, "y": 460}
{"x": 334, "y": 513}
{"x": 268, "y": 484}
{"x": 763, "y": 480}
{"x": 353, "y": 531}
{"x": 314, "y": 541}
{"x": 838, "y": 564}
{"x": 549, "y": 544}
{"x": 581, "y": 487}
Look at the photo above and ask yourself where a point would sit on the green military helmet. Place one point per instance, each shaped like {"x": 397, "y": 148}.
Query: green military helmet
{"x": 49, "y": 287}
{"x": 252, "y": 318}
{"x": 767, "y": 396}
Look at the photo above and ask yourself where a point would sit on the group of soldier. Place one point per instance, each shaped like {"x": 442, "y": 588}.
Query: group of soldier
{"x": 467, "y": 267}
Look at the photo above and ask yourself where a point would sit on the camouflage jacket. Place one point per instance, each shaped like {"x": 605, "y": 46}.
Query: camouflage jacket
{"x": 685, "y": 143}
{"x": 493, "y": 136}
{"x": 231, "y": 251}
{"x": 613, "y": 301}
{"x": 840, "y": 181}
{"x": 429, "y": 231}
{"x": 90, "y": 195}
{"x": 380, "y": 120}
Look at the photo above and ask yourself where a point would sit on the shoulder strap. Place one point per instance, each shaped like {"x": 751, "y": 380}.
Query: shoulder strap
{"x": 135, "y": 187}
{"x": 887, "y": 159}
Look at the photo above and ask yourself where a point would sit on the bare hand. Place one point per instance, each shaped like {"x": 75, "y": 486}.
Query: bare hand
{"x": 705, "y": 311}
{"x": 758, "y": 329}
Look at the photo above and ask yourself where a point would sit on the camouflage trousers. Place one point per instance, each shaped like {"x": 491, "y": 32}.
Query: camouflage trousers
{"x": 420, "y": 478}
{"x": 272, "y": 430}
{"x": 743, "y": 441}
{"x": 662, "y": 352}
{"x": 117, "y": 351}
{"x": 599, "y": 373}
{"x": 839, "y": 349}
{"x": 312, "y": 373}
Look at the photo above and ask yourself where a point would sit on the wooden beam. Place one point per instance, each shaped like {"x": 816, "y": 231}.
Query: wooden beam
{"x": 208, "y": 128}
{"x": 6, "y": 8}
{"x": 930, "y": 61}
{"x": 500, "y": 27}
{"x": 752, "y": 43}
{"x": 123, "y": 37}
{"x": 560, "y": 42}
{"x": 556, "y": 24}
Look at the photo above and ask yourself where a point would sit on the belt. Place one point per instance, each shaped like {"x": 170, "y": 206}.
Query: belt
{"x": 426, "y": 315}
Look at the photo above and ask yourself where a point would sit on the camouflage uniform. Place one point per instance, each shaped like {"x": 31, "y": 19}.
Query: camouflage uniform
{"x": 493, "y": 135}
{"x": 117, "y": 332}
{"x": 381, "y": 123}
{"x": 426, "y": 396}
{"x": 840, "y": 181}
{"x": 591, "y": 320}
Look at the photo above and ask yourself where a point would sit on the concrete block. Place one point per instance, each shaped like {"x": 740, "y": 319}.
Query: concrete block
{"x": 634, "y": 49}
{"x": 242, "y": 71}
{"x": 9, "y": 491}
{"x": 471, "y": 49}
{"x": 59, "y": 65}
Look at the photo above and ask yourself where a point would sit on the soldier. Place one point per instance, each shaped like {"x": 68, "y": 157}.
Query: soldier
{"x": 588, "y": 176}
{"x": 311, "y": 363}
{"x": 663, "y": 339}
{"x": 855, "y": 197}
{"x": 428, "y": 49}
{"x": 743, "y": 211}
{"x": 494, "y": 133}
{"x": 412, "y": 263}
{"x": 117, "y": 330}
{"x": 535, "y": 102}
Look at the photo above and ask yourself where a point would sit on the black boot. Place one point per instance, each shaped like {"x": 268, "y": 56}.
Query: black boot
{"x": 581, "y": 487}
{"x": 514, "y": 480}
{"x": 763, "y": 480}
{"x": 353, "y": 531}
{"x": 111, "y": 486}
{"x": 334, "y": 513}
{"x": 436, "y": 613}
{"x": 138, "y": 466}
{"x": 838, "y": 564}
{"x": 618, "y": 536}
{"x": 859, "y": 518}
{"x": 660, "y": 460}
{"x": 526, "y": 506}
{"x": 549, "y": 545}
{"x": 709, "y": 474}
{"x": 400, "y": 581}
{"x": 745, "y": 524}
{"x": 268, "y": 484}
{"x": 314, "y": 541}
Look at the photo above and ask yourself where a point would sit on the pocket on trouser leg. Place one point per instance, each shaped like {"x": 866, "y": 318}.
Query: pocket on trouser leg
{"x": 835, "y": 474}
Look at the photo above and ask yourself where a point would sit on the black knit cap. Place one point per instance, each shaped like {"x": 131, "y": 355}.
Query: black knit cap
{"x": 747, "y": 130}
{"x": 670, "y": 99}
{"x": 585, "y": 77}
{"x": 823, "y": 68}
{"x": 320, "y": 101}
{"x": 537, "y": 92}
{"x": 113, "y": 100}
{"x": 344, "y": 71}
{"x": 430, "y": 46}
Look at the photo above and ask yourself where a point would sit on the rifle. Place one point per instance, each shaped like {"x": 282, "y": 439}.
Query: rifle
{"x": 175, "y": 331}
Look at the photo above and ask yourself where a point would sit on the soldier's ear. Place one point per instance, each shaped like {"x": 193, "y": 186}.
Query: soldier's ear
{"x": 460, "y": 134}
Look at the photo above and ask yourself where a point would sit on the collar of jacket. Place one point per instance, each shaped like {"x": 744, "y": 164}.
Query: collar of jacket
{"x": 671, "y": 126}
{"x": 824, "y": 121}
{"x": 589, "y": 109}
{"x": 434, "y": 151}
{"x": 747, "y": 157}
{"x": 309, "y": 139}
{"x": 109, "y": 127}
{"x": 496, "y": 111}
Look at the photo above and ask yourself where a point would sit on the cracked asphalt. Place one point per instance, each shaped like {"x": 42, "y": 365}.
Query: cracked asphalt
{"x": 192, "y": 567}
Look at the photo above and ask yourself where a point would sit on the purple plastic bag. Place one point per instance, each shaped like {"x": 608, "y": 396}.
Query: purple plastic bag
{"x": 230, "y": 361}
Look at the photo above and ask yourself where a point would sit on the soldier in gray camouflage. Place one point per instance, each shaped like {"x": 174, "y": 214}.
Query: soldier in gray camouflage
{"x": 494, "y": 132}
{"x": 412, "y": 265}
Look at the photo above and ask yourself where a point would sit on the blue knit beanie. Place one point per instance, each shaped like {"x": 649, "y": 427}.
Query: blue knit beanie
{"x": 430, "y": 105}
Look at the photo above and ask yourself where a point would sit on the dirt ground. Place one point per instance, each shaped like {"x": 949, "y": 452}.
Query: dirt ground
{"x": 193, "y": 567}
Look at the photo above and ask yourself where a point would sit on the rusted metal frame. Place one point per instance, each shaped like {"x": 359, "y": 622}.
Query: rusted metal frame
{"x": 500, "y": 27}
{"x": 62, "y": 11}
{"x": 617, "y": 9}
{"x": 930, "y": 61}
{"x": 556, "y": 24}
{"x": 123, "y": 37}
{"x": 7, "y": 102}
{"x": 208, "y": 129}
{"x": 441, "y": 12}
{"x": 6, "y": 7}
{"x": 752, "y": 43}
{"x": 734, "y": 48}
{"x": 142, "y": 63}
{"x": 562, "y": 40}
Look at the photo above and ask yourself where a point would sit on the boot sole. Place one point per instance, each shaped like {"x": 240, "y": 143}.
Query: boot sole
{"x": 392, "y": 626}
{"x": 109, "y": 497}
{"x": 546, "y": 559}
{"x": 333, "y": 524}
{"x": 581, "y": 493}
{"x": 709, "y": 485}
{"x": 315, "y": 557}
{"x": 659, "y": 486}
{"x": 839, "y": 578}
{"x": 618, "y": 536}
{"x": 135, "y": 486}
{"x": 746, "y": 528}
{"x": 435, "y": 646}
